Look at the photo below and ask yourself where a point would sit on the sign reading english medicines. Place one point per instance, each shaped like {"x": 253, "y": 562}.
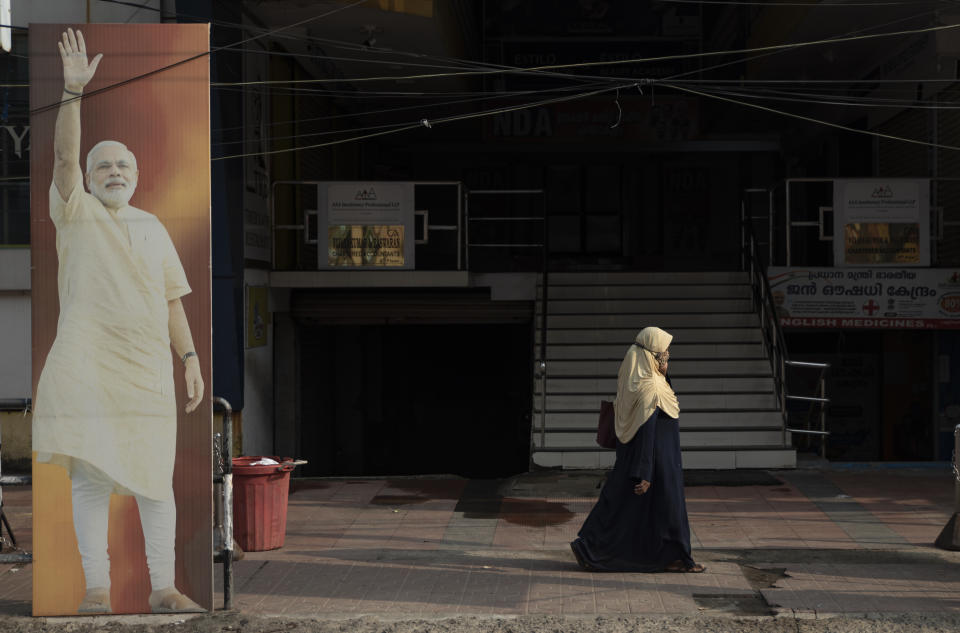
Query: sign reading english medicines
{"x": 865, "y": 298}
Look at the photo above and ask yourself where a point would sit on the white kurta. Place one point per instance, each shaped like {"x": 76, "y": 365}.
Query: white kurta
{"x": 106, "y": 392}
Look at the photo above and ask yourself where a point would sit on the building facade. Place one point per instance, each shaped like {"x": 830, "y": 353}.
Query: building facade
{"x": 427, "y": 359}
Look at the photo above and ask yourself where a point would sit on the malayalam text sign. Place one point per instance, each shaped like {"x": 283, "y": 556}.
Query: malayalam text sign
{"x": 881, "y": 298}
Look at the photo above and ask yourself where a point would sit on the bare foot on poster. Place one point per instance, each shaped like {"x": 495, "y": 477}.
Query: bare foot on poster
{"x": 170, "y": 600}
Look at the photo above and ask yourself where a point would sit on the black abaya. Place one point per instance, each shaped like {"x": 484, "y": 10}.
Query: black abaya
{"x": 640, "y": 533}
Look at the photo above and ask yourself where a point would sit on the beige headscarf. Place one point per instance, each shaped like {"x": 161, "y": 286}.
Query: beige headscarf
{"x": 641, "y": 388}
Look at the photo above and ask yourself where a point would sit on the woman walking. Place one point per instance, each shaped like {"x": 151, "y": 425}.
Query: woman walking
{"x": 639, "y": 524}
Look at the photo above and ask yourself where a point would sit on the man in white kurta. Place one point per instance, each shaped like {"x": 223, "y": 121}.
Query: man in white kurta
{"x": 105, "y": 407}
{"x": 107, "y": 385}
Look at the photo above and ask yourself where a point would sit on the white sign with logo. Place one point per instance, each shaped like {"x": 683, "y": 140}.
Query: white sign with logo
{"x": 881, "y": 222}
{"x": 365, "y": 225}
{"x": 881, "y": 298}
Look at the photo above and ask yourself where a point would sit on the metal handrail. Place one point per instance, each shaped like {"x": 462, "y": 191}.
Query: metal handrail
{"x": 773, "y": 341}
{"x": 224, "y": 518}
{"x": 775, "y": 344}
{"x": 544, "y": 274}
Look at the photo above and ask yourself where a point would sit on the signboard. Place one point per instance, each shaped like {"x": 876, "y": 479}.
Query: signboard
{"x": 368, "y": 225}
{"x": 121, "y": 319}
{"x": 881, "y": 298}
{"x": 881, "y": 222}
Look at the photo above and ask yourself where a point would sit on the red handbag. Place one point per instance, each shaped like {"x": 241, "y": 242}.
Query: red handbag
{"x": 606, "y": 432}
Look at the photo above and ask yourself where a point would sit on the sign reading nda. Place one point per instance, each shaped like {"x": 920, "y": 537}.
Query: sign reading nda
{"x": 120, "y": 228}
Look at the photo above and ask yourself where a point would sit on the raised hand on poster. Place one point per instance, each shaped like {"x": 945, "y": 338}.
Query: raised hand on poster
{"x": 77, "y": 70}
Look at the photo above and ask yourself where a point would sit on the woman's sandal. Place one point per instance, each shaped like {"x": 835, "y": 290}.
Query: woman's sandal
{"x": 678, "y": 567}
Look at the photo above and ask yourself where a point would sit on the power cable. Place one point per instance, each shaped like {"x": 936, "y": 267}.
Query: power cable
{"x": 833, "y": 93}
{"x": 768, "y": 97}
{"x": 139, "y": 8}
{"x": 762, "y": 55}
{"x": 340, "y": 44}
{"x": 193, "y": 57}
{"x": 811, "y": 5}
{"x": 810, "y": 81}
{"x": 440, "y": 104}
{"x": 615, "y": 62}
{"x": 811, "y": 119}
{"x": 428, "y": 123}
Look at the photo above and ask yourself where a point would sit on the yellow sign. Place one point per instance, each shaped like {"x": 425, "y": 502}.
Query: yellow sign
{"x": 258, "y": 316}
{"x": 365, "y": 246}
{"x": 882, "y": 243}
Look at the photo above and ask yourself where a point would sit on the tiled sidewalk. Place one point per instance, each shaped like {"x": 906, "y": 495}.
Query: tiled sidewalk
{"x": 823, "y": 541}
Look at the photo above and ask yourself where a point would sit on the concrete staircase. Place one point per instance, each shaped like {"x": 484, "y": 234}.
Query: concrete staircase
{"x": 728, "y": 412}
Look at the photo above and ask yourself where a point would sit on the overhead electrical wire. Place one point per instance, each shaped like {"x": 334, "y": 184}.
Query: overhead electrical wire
{"x": 544, "y": 70}
{"x": 827, "y": 93}
{"x": 420, "y": 107}
{"x": 814, "y": 81}
{"x": 772, "y": 53}
{"x": 362, "y": 48}
{"x": 859, "y": 104}
{"x": 523, "y": 70}
{"x": 812, "y": 5}
{"x": 430, "y": 123}
{"x": 811, "y": 119}
{"x": 374, "y": 94}
{"x": 614, "y": 62}
{"x": 197, "y": 56}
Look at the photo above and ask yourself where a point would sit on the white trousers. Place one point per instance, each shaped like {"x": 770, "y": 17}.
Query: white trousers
{"x": 91, "y": 518}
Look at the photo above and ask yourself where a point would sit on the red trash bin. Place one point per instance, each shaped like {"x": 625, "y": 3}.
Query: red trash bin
{"x": 260, "y": 502}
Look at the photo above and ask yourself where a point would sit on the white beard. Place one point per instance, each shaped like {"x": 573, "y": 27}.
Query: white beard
{"x": 116, "y": 199}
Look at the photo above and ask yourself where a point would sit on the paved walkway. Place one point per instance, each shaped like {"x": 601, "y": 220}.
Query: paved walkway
{"x": 803, "y": 541}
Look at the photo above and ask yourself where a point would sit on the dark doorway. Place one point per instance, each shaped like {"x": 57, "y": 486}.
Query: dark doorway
{"x": 908, "y": 384}
{"x": 416, "y": 399}
{"x": 881, "y": 389}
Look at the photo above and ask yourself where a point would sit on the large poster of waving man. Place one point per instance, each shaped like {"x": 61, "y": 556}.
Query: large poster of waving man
{"x": 120, "y": 230}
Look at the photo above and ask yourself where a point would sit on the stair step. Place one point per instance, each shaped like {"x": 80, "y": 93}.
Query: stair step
{"x": 648, "y": 278}
{"x": 678, "y": 352}
{"x": 625, "y": 337}
{"x": 658, "y": 291}
{"x": 636, "y": 322}
{"x": 693, "y": 459}
{"x": 702, "y": 419}
{"x": 721, "y": 384}
{"x": 607, "y": 385}
{"x": 725, "y": 437}
{"x": 730, "y": 417}
{"x": 610, "y": 367}
{"x": 689, "y": 402}
{"x": 648, "y": 306}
